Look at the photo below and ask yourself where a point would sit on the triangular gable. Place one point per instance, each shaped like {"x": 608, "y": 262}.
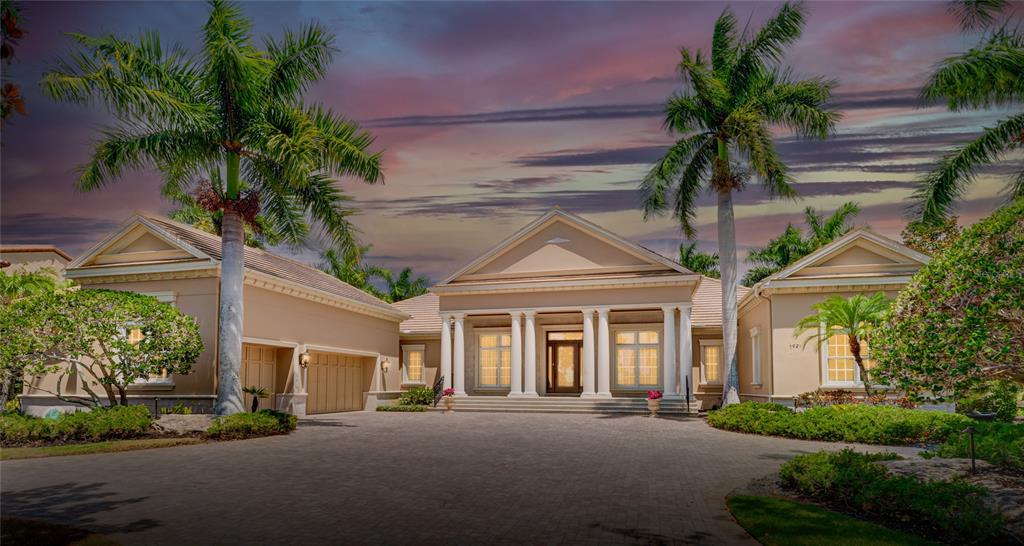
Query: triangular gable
{"x": 859, "y": 253}
{"x": 139, "y": 241}
{"x": 562, "y": 243}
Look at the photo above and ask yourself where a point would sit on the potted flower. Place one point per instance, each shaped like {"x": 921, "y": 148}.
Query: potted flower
{"x": 654, "y": 402}
{"x": 449, "y": 399}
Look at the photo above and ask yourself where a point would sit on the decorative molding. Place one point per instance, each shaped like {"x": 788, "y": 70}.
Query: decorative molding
{"x": 107, "y": 277}
{"x": 275, "y": 284}
{"x": 560, "y": 285}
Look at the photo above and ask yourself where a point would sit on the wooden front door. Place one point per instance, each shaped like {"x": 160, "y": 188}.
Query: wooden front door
{"x": 564, "y": 366}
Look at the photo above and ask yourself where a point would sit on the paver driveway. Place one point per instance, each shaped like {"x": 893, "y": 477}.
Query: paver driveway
{"x": 386, "y": 478}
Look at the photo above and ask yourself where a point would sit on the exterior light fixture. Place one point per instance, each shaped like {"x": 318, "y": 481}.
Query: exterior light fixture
{"x": 304, "y": 359}
{"x": 385, "y": 365}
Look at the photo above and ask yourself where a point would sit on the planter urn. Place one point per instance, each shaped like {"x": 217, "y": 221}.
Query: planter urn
{"x": 449, "y": 403}
{"x": 654, "y": 406}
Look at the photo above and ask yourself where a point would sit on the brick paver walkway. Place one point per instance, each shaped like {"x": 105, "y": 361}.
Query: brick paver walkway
{"x": 387, "y": 478}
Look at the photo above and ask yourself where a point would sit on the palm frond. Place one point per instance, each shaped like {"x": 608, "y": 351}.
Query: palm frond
{"x": 768, "y": 44}
{"x": 300, "y": 59}
{"x": 723, "y": 44}
{"x": 974, "y": 14}
{"x": 345, "y": 146}
{"x": 990, "y": 74}
{"x": 660, "y": 180}
{"x": 798, "y": 105}
{"x": 120, "y": 149}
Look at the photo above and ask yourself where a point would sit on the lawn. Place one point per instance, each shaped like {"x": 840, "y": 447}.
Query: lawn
{"x": 110, "y": 446}
{"x": 41, "y": 533}
{"x": 774, "y": 521}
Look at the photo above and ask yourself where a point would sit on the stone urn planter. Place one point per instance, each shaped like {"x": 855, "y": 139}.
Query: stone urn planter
{"x": 654, "y": 402}
{"x": 448, "y": 398}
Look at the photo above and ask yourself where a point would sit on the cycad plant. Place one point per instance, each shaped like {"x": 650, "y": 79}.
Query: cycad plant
{"x": 256, "y": 393}
{"x": 229, "y": 123}
{"x": 989, "y": 75}
{"x": 733, "y": 98}
{"x": 855, "y": 317}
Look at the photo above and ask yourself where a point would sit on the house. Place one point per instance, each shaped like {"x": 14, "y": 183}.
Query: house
{"x": 33, "y": 259}
{"x": 562, "y": 309}
{"x": 318, "y": 344}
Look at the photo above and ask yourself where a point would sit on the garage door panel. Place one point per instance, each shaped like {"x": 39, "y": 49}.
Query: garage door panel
{"x": 335, "y": 383}
{"x": 259, "y": 364}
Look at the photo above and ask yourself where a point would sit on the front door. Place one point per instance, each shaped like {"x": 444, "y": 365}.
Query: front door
{"x": 564, "y": 366}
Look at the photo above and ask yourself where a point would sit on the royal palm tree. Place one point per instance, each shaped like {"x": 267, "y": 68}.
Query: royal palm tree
{"x": 258, "y": 234}
{"x": 991, "y": 74}
{"x": 791, "y": 245}
{"x": 854, "y": 317}
{"x": 347, "y": 265}
{"x": 733, "y": 99}
{"x": 699, "y": 262}
{"x": 404, "y": 286}
{"x": 234, "y": 116}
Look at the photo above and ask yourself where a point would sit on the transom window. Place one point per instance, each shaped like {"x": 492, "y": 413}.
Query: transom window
{"x": 495, "y": 358}
{"x": 412, "y": 363}
{"x": 711, "y": 361}
{"x": 565, "y": 336}
{"x": 840, "y": 367}
{"x": 636, "y": 358}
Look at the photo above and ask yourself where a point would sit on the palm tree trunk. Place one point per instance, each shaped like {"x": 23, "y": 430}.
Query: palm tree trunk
{"x": 864, "y": 378}
{"x": 730, "y": 281}
{"x": 229, "y": 348}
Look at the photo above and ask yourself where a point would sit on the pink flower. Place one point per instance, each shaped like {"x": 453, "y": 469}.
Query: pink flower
{"x": 449, "y": 392}
{"x": 654, "y": 395}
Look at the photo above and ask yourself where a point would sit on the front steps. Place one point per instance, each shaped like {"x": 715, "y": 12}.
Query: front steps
{"x": 564, "y": 404}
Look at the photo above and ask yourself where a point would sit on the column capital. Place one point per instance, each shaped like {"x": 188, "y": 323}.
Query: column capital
{"x": 530, "y": 313}
{"x": 603, "y": 311}
{"x": 515, "y": 313}
{"x": 588, "y": 310}
{"x": 457, "y": 316}
{"x": 685, "y": 307}
{"x": 669, "y": 308}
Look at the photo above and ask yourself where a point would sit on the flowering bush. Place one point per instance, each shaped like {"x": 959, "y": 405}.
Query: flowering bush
{"x": 654, "y": 395}
{"x": 449, "y": 392}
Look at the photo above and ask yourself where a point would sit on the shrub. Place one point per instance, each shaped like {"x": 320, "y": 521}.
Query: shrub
{"x": 83, "y": 426}
{"x": 999, "y": 397}
{"x": 960, "y": 320}
{"x": 422, "y": 396}
{"x": 1001, "y": 444}
{"x": 841, "y": 423}
{"x": 955, "y": 511}
{"x": 178, "y": 409}
{"x": 250, "y": 425}
{"x": 402, "y": 407}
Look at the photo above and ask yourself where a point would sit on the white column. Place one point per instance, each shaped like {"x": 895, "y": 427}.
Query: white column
{"x": 446, "y": 349}
{"x": 459, "y": 371}
{"x": 668, "y": 353}
{"x": 603, "y": 361}
{"x": 516, "y": 385}
{"x": 588, "y": 354}
{"x": 685, "y": 349}
{"x": 530, "y": 362}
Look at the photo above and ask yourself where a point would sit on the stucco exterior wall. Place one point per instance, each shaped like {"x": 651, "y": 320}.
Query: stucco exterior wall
{"x": 31, "y": 262}
{"x": 796, "y": 369}
{"x": 757, "y": 315}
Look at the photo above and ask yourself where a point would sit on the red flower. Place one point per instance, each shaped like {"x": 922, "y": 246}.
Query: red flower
{"x": 654, "y": 395}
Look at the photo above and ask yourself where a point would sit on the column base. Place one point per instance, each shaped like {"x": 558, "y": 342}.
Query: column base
{"x": 672, "y": 396}
{"x": 603, "y": 395}
{"x": 516, "y": 395}
{"x": 530, "y": 395}
{"x": 589, "y": 395}
{"x": 460, "y": 394}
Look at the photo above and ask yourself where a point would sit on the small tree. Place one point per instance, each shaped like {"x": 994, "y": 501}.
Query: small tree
{"x": 106, "y": 339}
{"x": 931, "y": 238}
{"x": 960, "y": 321}
{"x": 855, "y": 317}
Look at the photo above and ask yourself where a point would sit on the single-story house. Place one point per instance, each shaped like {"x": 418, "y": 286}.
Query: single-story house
{"x": 318, "y": 344}
{"x": 561, "y": 308}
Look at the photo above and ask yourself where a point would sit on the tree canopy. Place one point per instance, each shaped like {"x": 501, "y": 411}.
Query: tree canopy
{"x": 703, "y": 263}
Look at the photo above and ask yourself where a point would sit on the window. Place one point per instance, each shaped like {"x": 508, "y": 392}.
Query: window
{"x": 495, "y": 359}
{"x": 711, "y": 361}
{"x": 136, "y": 335}
{"x": 636, "y": 358}
{"x": 755, "y": 355}
{"x": 565, "y": 336}
{"x": 840, "y": 367}
{"x": 412, "y": 364}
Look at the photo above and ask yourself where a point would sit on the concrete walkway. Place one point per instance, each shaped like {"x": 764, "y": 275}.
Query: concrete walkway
{"x": 392, "y": 478}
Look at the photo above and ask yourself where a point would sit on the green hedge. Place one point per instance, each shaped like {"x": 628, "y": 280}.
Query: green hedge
{"x": 249, "y": 425}
{"x": 954, "y": 511}
{"x": 422, "y": 396}
{"x": 1001, "y": 444}
{"x": 843, "y": 423}
{"x": 999, "y": 397}
{"x": 402, "y": 407}
{"x": 83, "y": 426}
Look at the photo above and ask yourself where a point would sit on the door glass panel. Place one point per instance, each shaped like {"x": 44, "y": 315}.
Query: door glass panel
{"x": 648, "y": 366}
{"x": 566, "y": 364}
{"x": 626, "y": 370}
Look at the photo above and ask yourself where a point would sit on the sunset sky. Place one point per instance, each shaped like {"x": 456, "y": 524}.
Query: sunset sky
{"x": 488, "y": 114}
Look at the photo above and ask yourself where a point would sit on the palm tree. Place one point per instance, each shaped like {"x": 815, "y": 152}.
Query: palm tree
{"x": 732, "y": 100}
{"x": 347, "y": 265}
{"x": 854, "y": 317}
{"x": 991, "y": 74}
{"x": 405, "y": 286}
{"x": 791, "y": 245}
{"x": 697, "y": 261}
{"x": 232, "y": 106}
{"x": 258, "y": 234}
{"x": 15, "y": 286}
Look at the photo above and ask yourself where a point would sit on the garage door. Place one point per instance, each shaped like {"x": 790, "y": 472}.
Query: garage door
{"x": 259, "y": 363}
{"x": 335, "y": 383}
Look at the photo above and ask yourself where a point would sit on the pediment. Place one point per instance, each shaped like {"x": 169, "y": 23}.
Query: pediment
{"x": 560, "y": 244}
{"x": 860, "y": 253}
{"x": 139, "y": 242}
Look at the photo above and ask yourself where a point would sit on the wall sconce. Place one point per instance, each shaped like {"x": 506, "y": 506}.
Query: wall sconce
{"x": 385, "y": 365}
{"x": 304, "y": 359}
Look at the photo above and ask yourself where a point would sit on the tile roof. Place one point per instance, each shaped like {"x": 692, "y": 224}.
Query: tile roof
{"x": 707, "y": 302}
{"x": 272, "y": 264}
{"x": 426, "y": 314}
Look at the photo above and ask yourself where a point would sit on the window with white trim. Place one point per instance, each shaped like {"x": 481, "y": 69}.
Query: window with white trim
{"x": 636, "y": 358}
{"x": 494, "y": 359}
{"x": 412, "y": 364}
{"x": 711, "y": 357}
{"x": 136, "y": 335}
{"x": 755, "y": 356}
{"x": 839, "y": 367}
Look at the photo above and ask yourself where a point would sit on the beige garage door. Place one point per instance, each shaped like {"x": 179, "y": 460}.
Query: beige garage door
{"x": 335, "y": 383}
{"x": 259, "y": 363}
